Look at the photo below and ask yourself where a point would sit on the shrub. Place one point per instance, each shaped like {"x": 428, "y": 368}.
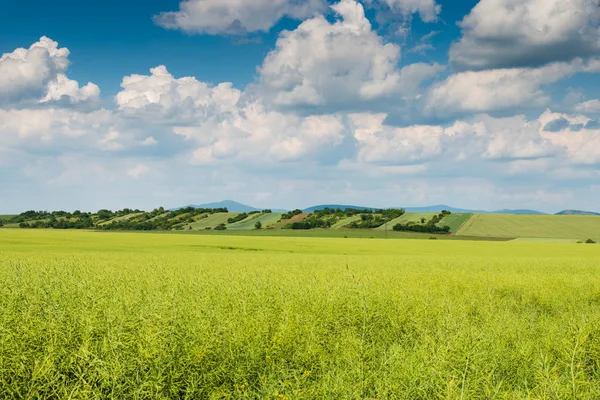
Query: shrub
{"x": 237, "y": 218}
{"x": 291, "y": 214}
{"x": 220, "y": 227}
{"x": 590, "y": 241}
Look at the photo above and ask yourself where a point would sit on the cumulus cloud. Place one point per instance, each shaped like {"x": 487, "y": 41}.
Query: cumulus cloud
{"x": 65, "y": 89}
{"x": 235, "y": 16}
{"x": 526, "y": 33}
{"x": 394, "y": 146}
{"x": 182, "y": 98}
{"x": 37, "y": 74}
{"x": 256, "y": 136}
{"x": 428, "y": 10}
{"x": 589, "y": 107}
{"x": 479, "y": 140}
{"x": 496, "y": 89}
{"x": 221, "y": 124}
{"x": 579, "y": 137}
{"x": 323, "y": 63}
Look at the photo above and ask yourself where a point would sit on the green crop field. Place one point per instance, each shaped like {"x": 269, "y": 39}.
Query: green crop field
{"x": 249, "y": 223}
{"x": 455, "y": 221}
{"x": 145, "y": 316}
{"x": 346, "y": 221}
{"x": 408, "y": 217}
{"x": 211, "y": 221}
{"x": 573, "y": 227}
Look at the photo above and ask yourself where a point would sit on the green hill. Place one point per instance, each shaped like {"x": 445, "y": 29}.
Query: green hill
{"x": 406, "y": 218}
{"x": 455, "y": 221}
{"x": 250, "y": 222}
{"x": 577, "y": 212}
{"x": 572, "y": 227}
{"x": 211, "y": 221}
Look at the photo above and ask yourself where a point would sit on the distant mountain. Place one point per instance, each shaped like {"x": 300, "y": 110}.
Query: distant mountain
{"x": 440, "y": 207}
{"x": 334, "y": 206}
{"x": 577, "y": 212}
{"x": 522, "y": 212}
{"x": 232, "y": 206}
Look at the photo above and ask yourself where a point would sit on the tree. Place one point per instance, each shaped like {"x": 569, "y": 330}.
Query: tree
{"x": 590, "y": 241}
{"x": 258, "y": 225}
{"x": 1, "y": 223}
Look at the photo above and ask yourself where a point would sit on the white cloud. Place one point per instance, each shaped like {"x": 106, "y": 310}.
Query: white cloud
{"x": 428, "y": 10}
{"x": 37, "y": 74}
{"x": 65, "y": 88}
{"x": 519, "y": 33}
{"x": 589, "y": 107}
{"x": 138, "y": 171}
{"x": 484, "y": 138}
{"x": 395, "y": 146}
{"x": 235, "y": 16}
{"x": 582, "y": 144}
{"x": 41, "y": 126}
{"x": 323, "y": 63}
{"x": 181, "y": 98}
{"x": 255, "y": 136}
{"x": 220, "y": 125}
{"x": 496, "y": 89}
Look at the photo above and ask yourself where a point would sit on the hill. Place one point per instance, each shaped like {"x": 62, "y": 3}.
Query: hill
{"x": 518, "y": 212}
{"x": 232, "y": 206}
{"x": 578, "y": 212}
{"x": 335, "y": 207}
{"x": 427, "y": 209}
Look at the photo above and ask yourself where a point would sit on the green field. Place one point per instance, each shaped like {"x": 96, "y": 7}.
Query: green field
{"x": 145, "y": 316}
{"x": 345, "y": 221}
{"x": 455, "y": 221}
{"x": 211, "y": 221}
{"x": 250, "y": 222}
{"x": 572, "y": 227}
{"x": 408, "y": 217}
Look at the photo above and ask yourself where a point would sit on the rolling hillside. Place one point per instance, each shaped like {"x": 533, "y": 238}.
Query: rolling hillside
{"x": 250, "y": 222}
{"x": 572, "y": 227}
{"x": 406, "y": 218}
{"x": 577, "y": 212}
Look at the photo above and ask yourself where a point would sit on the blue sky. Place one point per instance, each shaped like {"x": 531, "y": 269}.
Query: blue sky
{"x": 286, "y": 103}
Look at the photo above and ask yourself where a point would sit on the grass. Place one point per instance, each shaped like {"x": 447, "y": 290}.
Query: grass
{"x": 211, "y": 221}
{"x": 123, "y": 218}
{"x": 249, "y": 223}
{"x": 455, "y": 221}
{"x": 140, "y": 316}
{"x": 408, "y": 217}
{"x": 346, "y": 221}
{"x": 572, "y": 227}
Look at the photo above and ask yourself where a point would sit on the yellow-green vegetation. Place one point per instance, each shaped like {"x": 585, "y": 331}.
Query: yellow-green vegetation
{"x": 345, "y": 221}
{"x": 574, "y": 227}
{"x": 250, "y": 222}
{"x": 211, "y": 221}
{"x": 123, "y": 218}
{"x": 416, "y": 218}
{"x": 455, "y": 221}
{"x": 144, "y": 316}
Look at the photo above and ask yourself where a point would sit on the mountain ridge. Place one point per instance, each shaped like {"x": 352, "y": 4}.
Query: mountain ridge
{"x": 234, "y": 206}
